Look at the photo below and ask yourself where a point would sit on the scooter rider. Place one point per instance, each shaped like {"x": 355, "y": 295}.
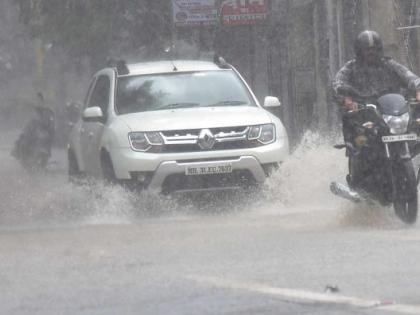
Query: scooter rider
{"x": 43, "y": 120}
{"x": 370, "y": 73}
{"x": 45, "y": 115}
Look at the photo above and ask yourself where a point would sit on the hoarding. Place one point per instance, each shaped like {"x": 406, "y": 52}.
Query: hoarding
{"x": 194, "y": 12}
{"x": 243, "y": 12}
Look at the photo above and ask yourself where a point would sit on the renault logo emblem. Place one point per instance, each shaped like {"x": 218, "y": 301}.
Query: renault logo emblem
{"x": 206, "y": 139}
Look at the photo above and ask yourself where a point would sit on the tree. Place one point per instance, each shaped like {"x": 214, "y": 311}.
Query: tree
{"x": 99, "y": 29}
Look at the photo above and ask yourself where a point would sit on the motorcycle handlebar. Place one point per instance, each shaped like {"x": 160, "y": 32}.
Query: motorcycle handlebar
{"x": 358, "y": 97}
{"x": 352, "y": 92}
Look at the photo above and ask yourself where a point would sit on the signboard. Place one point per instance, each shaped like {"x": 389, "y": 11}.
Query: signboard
{"x": 194, "y": 12}
{"x": 243, "y": 12}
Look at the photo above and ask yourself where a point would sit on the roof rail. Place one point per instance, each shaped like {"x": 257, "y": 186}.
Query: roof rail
{"x": 215, "y": 58}
{"x": 221, "y": 62}
{"x": 120, "y": 65}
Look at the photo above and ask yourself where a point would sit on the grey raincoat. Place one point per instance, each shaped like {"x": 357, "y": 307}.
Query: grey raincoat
{"x": 386, "y": 76}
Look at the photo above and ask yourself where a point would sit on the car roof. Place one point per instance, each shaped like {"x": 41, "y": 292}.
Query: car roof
{"x": 168, "y": 66}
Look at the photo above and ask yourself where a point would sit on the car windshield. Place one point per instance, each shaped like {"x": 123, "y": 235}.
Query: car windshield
{"x": 181, "y": 90}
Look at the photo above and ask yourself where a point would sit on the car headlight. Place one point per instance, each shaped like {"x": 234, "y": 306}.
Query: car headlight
{"x": 144, "y": 141}
{"x": 265, "y": 134}
{"x": 154, "y": 138}
{"x": 397, "y": 124}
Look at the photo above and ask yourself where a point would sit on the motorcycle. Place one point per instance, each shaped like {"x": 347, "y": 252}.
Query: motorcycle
{"x": 380, "y": 155}
{"x": 33, "y": 146}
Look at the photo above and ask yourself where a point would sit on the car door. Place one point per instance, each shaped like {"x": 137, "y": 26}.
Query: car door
{"x": 78, "y": 131}
{"x": 92, "y": 130}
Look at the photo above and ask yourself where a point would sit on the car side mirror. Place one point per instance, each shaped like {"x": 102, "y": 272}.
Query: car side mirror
{"x": 271, "y": 101}
{"x": 93, "y": 114}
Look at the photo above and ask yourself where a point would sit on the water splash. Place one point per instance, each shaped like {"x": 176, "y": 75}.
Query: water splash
{"x": 304, "y": 178}
{"x": 300, "y": 185}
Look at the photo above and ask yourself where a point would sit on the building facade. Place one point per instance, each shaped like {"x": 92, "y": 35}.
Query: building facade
{"x": 296, "y": 53}
{"x": 292, "y": 54}
{"x": 319, "y": 40}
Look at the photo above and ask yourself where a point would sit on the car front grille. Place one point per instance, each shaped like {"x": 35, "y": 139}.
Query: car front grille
{"x": 171, "y": 148}
{"x": 227, "y": 138}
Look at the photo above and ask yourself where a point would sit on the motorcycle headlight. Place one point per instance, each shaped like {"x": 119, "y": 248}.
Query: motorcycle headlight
{"x": 397, "y": 124}
{"x": 144, "y": 141}
{"x": 265, "y": 134}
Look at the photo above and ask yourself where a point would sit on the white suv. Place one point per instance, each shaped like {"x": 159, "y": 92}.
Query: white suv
{"x": 176, "y": 125}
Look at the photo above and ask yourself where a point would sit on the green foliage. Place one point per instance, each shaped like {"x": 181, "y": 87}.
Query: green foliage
{"x": 97, "y": 28}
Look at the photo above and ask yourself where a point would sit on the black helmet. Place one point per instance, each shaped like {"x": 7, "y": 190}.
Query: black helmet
{"x": 368, "y": 41}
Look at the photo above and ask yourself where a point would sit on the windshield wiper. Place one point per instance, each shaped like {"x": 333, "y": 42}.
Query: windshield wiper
{"x": 178, "y": 105}
{"x": 227, "y": 103}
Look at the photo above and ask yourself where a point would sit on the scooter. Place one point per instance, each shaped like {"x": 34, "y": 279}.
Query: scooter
{"x": 33, "y": 147}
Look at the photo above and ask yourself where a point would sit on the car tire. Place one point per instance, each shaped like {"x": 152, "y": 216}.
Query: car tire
{"x": 109, "y": 176}
{"x": 107, "y": 167}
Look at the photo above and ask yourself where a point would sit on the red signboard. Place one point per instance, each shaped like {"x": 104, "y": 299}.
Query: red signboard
{"x": 243, "y": 12}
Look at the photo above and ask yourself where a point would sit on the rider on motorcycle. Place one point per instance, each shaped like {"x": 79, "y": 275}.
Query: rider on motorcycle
{"x": 370, "y": 73}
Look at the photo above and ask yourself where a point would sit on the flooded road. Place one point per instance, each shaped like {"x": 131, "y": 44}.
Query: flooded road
{"x": 291, "y": 248}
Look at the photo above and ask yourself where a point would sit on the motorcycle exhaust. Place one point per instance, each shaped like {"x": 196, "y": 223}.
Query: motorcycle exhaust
{"x": 346, "y": 192}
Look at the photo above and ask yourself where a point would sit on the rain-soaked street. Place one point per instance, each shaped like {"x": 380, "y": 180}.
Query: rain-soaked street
{"x": 158, "y": 90}
{"x": 292, "y": 248}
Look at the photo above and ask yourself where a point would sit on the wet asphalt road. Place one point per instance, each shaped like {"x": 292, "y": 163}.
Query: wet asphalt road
{"x": 94, "y": 249}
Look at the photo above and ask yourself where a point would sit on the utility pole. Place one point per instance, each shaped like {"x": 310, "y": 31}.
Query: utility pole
{"x": 367, "y": 23}
{"x": 39, "y": 59}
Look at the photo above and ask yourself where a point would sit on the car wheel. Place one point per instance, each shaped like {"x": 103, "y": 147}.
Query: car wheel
{"x": 107, "y": 168}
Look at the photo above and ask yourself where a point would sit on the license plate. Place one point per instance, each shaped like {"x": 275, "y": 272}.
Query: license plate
{"x": 205, "y": 169}
{"x": 397, "y": 138}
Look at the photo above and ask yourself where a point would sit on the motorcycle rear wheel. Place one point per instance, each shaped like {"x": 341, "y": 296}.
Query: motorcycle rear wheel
{"x": 405, "y": 203}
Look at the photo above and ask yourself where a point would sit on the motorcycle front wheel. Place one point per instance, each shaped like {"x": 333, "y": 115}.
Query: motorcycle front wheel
{"x": 405, "y": 200}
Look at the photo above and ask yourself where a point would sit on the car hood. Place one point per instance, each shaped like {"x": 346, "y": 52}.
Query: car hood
{"x": 196, "y": 118}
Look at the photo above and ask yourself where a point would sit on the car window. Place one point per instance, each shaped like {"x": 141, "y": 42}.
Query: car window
{"x": 91, "y": 85}
{"x": 100, "y": 94}
{"x": 181, "y": 90}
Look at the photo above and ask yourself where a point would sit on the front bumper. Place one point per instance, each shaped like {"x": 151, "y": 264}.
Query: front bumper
{"x": 243, "y": 163}
{"x": 158, "y": 168}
